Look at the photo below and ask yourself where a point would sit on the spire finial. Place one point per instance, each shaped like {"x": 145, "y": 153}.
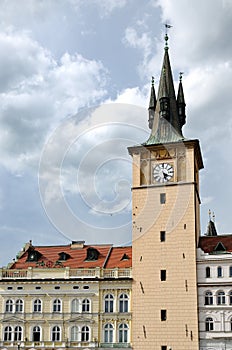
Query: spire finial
{"x": 167, "y": 26}
{"x": 152, "y": 81}
{"x": 209, "y": 214}
{"x": 181, "y": 76}
{"x": 213, "y": 217}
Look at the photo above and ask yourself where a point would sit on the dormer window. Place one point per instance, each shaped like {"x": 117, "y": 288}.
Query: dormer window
{"x": 33, "y": 255}
{"x": 63, "y": 256}
{"x": 125, "y": 257}
{"x": 92, "y": 254}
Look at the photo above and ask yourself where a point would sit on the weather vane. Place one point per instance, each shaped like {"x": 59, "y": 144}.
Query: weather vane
{"x": 167, "y": 26}
{"x": 181, "y": 75}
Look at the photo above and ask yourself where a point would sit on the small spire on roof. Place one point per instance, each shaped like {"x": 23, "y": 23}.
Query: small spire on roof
{"x": 181, "y": 76}
{"x": 209, "y": 214}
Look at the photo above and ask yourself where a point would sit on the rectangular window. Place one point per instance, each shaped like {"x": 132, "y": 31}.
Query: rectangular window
{"x": 163, "y": 275}
{"x": 162, "y": 198}
{"x": 162, "y": 236}
{"x": 163, "y": 347}
{"x": 163, "y": 315}
{"x": 230, "y": 271}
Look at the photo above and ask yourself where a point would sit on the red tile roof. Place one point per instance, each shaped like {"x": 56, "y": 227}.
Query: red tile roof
{"x": 108, "y": 257}
{"x": 209, "y": 243}
{"x": 120, "y": 257}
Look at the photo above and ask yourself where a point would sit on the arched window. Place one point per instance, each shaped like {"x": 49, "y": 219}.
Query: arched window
{"x": 109, "y": 303}
{"x": 74, "y": 333}
{"x": 208, "y": 298}
{"x": 56, "y": 333}
{"x": 231, "y": 324}
{"x": 207, "y": 272}
{"x": 86, "y": 305}
{"x": 123, "y": 333}
{"x": 36, "y": 333}
{"x": 209, "y": 324}
{"x": 123, "y": 303}
{"x": 37, "y": 306}
{"x": 230, "y": 297}
{"x": 219, "y": 271}
{"x": 18, "y": 333}
{"x": 8, "y": 333}
{"x": 9, "y": 306}
{"x": 75, "y": 305}
{"x": 85, "y": 333}
{"x": 19, "y": 305}
{"x": 57, "y": 305}
{"x": 108, "y": 333}
{"x": 221, "y": 298}
{"x": 230, "y": 271}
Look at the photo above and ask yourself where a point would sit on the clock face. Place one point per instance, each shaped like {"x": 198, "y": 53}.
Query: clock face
{"x": 163, "y": 172}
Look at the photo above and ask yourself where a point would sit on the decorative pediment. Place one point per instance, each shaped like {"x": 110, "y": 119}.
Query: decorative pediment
{"x": 13, "y": 319}
{"x": 80, "y": 319}
{"x": 220, "y": 248}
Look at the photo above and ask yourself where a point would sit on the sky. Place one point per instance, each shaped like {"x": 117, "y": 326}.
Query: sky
{"x": 74, "y": 89}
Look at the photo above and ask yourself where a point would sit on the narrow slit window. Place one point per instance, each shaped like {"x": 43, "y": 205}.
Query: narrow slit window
{"x": 163, "y": 315}
{"x": 163, "y": 275}
{"x": 162, "y": 198}
{"x": 162, "y": 236}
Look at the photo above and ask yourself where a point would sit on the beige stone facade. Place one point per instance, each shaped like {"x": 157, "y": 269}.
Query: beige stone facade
{"x": 165, "y": 310}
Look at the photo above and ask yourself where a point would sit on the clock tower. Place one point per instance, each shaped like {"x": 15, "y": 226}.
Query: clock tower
{"x": 166, "y": 225}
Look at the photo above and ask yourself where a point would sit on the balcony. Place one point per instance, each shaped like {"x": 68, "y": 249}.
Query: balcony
{"x": 64, "y": 273}
{"x": 115, "y": 345}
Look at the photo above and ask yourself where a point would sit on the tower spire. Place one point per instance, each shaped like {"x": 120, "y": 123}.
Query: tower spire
{"x": 169, "y": 114}
{"x": 152, "y": 104}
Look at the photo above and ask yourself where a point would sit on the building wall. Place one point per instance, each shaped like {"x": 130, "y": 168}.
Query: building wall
{"x": 49, "y": 290}
{"x": 219, "y": 308}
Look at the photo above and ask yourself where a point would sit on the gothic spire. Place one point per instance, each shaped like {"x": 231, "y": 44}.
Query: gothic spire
{"x": 167, "y": 124}
{"x": 181, "y": 102}
{"x": 152, "y": 104}
{"x": 211, "y": 228}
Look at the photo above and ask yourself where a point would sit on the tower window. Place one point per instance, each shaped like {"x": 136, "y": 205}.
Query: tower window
{"x": 162, "y": 236}
{"x": 162, "y": 198}
{"x": 163, "y": 347}
{"x": 163, "y": 315}
{"x": 230, "y": 271}
{"x": 163, "y": 275}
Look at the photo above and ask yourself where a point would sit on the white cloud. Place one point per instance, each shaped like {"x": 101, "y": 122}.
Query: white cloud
{"x": 37, "y": 92}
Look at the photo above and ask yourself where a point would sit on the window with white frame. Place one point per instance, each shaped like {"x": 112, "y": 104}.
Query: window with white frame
{"x": 123, "y": 303}
{"x": 37, "y": 305}
{"x": 219, "y": 271}
{"x": 209, "y": 324}
{"x": 230, "y": 297}
{"x": 123, "y": 333}
{"x": 85, "y": 333}
{"x": 56, "y": 333}
{"x": 231, "y": 324}
{"x": 75, "y": 305}
{"x": 108, "y": 333}
{"x": 18, "y": 332}
{"x": 19, "y": 305}
{"x": 9, "y": 306}
{"x": 230, "y": 271}
{"x": 208, "y": 298}
{"x": 57, "y": 305}
{"x": 36, "y": 333}
{"x": 207, "y": 272}
{"x": 74, "y": 333}
{"x": 8, "y": 331}
{"x": 109, "y": 303}
{"x": 86, "y": 305}
{"x": 221, "y": 298}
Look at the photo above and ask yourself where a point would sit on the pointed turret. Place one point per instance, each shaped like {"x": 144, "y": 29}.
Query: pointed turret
{"x": 167, "y": 125}
{"x": 181, "y": 102}
{"x": 211, "y": 228}
{"x": 152, "y": 105}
